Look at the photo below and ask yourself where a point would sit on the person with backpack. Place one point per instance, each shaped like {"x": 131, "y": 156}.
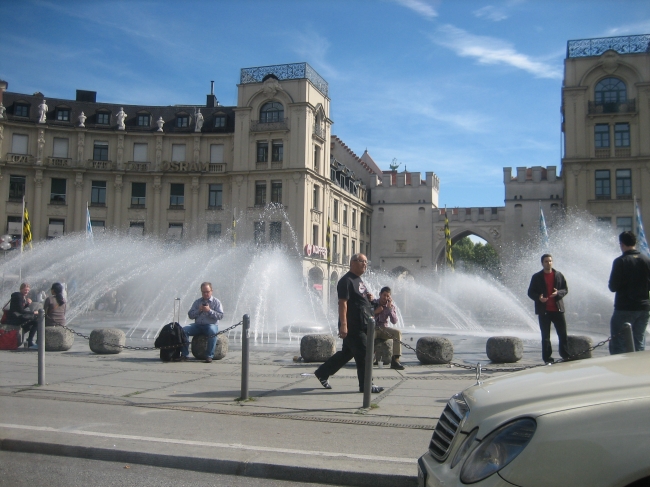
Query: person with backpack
{"x": 206, "y": 313}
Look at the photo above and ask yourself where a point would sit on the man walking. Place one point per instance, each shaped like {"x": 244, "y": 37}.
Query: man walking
{"x": 547, "y": 288}
{"x": 206, "y": 313}
{"x": 630, "y": 280}
{"x": 355, "y": 315}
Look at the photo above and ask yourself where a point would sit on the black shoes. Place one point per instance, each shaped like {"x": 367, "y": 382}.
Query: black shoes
{"x": 374, "y": 389}
{"x": 396, "y": 365}
{"x": 324, "y": 382}
{"x": 208, "y": 360}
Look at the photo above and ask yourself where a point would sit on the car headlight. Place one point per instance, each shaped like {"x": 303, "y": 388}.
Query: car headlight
{"x": 497, "y": 450}
{"x": 464, "y": 448}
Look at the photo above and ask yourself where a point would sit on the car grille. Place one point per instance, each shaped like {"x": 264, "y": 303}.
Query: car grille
{"x": 448, "y": 426}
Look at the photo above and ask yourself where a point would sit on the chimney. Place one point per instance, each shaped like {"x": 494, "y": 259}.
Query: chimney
{"x": 211, "y": 101}
{"x": 84, "y": 95}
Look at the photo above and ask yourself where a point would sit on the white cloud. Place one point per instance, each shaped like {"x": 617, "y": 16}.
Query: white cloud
{"x": 642, "y": 27}
{"x": 312, "y": 47}
{"x": 491, "y": 13}
{"x": 421, "y": 7}
{"x": 488, "y": 50}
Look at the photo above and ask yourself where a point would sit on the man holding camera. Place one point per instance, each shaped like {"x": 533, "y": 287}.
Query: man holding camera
{"x": 206, "y": 313}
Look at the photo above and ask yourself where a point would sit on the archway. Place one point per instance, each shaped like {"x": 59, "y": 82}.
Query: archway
{"x": 473, "y": 252}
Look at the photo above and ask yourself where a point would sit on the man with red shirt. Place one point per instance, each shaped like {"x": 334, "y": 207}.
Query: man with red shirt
{"x": 547, "y": 288}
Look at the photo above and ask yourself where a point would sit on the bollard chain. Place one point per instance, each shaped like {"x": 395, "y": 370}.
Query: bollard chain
{"x": 167, "y": 347}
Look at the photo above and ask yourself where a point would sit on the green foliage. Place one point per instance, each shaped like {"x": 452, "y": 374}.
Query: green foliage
{"x": 476, "y": 257}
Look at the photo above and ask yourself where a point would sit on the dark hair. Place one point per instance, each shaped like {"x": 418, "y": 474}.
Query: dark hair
{"x": 385, "y": 289}
{"x": 628, "y": 239}
{"x": 544, "y": 257}
{"x": 57, "y": 287}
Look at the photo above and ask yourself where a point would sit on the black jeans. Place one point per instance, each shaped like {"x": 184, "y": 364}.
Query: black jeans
{"x": 545, "y": 320}
{"x": 354, "y": 346}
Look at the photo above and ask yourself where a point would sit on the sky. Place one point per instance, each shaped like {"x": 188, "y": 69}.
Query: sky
{"x": 458, "y": 87}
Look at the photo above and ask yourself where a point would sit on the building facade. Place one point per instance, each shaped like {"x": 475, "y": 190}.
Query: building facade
{"x": 606, "y": 126}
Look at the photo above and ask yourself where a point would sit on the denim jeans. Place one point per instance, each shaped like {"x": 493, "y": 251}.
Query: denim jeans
{"x": 194, "y": 329}
{"x": 639, "y": 322}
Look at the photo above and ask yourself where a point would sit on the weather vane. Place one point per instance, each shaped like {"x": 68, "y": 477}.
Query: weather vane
{"x": 394, "y": 165}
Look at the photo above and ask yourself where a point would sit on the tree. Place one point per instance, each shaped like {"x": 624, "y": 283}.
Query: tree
{"x": 476, "y": 256}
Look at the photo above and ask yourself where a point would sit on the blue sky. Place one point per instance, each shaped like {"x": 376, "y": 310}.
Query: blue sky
{"x": 461, "y": 88}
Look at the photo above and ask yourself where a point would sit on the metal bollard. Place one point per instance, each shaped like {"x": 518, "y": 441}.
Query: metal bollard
{"x": 628, "y": 338}
{"x": 370, "y": 358}
{"x": 41, "y": 347}
{"x": 244, "y": 357}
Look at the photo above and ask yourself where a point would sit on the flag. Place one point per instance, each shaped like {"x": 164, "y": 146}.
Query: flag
{"x": 234, "y": 234}
{"x": 543, "y": 232}
{"x": 641, "y": 240}
{"x": 328, "y": 237}
{"x": 448, "y": 257}
{"x": 89, "y": 227}
{"x": 27, "y": 228}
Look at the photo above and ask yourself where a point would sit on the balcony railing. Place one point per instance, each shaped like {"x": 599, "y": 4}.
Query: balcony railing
{"x": 319, "y": 131}
{"x": 102, "y": 165}
{"x": 20, "y": 159}
{"x": 601, "y": 153}
{"x": 285, "y": 72}
{"x": 622, "y": 152}
{"x": 214, "y": 167}
{"x": 595, "y": 47}
{"x": 625, "y": 106}
{"x": 280, "y": 125}
{"x": 59, "y": 162}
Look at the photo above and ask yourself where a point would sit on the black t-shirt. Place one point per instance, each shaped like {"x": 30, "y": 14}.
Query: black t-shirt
{"x": 353, "y": 290}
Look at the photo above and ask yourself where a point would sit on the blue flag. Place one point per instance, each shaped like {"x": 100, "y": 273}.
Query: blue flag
{"x": 543, "y": 232}
{"x": 641, "y": 240}
{"x": 89, "y": 227}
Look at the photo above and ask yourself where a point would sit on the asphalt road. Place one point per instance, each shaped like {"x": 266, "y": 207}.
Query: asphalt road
{"x": 32, "y": 470}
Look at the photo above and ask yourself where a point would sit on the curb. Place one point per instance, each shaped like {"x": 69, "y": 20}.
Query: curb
{"x": 214, "y": 465}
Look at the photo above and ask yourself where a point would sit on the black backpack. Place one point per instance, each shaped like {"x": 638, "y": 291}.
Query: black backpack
{"x": 171, "y": 334}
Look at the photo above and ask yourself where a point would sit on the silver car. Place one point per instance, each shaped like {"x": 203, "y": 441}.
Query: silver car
{"x": 582, "y": 423}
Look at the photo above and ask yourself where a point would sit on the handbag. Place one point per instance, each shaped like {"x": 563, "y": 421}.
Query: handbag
{"x": 5, "y": 313}
{"x": 10, "y": 339}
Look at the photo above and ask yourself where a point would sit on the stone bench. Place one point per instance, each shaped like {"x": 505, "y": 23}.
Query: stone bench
{"x": 200, "y": 347}
{"x": 317, "y": 348}
{"x": 58, "y": 339}
{"x": 434, "y": 350}
{"x": 384, "y": 350}
{"x": 577, "y": 345}
{"x": 504, "y": 350}
{"x": 107, "y": 340}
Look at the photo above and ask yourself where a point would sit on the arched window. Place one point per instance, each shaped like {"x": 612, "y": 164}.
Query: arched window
{"x": 271, "y": 112}
{"x": 609, "y": 93}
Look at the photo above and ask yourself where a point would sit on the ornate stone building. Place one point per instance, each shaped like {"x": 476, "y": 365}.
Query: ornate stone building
{"x": 606, "y": 126}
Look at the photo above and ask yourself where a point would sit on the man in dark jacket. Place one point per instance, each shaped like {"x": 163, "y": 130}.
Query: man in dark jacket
{"x": 547, "y": 288}
{"x": 20, "y": 314}
{"x": 630, "y": 280}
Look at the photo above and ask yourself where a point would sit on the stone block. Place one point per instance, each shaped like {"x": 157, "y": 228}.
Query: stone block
{"x": 200, "y": 345}
{"x": 317, "y": 348}
{"x": 504, "y": 350}
{"x": 434, "y": 350}
{"x": 107, "y": 340}
{"x": 384, "y": 350}
{"x": 577, "y": 345}
{"x": 58, "y": 339}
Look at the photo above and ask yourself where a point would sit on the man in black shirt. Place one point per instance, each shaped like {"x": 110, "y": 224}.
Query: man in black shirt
{"x": 630, "y": 280}
{"x": 355, "y": 315}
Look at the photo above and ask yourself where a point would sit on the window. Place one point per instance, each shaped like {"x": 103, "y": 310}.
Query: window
{"x": 276, "y": 192}
{"x": 15, "y": 225}
{"x": 314, "y": 236}
{"x": 335, "y": 243}
{"x": 220, "y": 121}
{"x": 19, "y": 144}
{"x": 138, "y": 195}
{"x": 367, "y": 249}
{"x": 136, "y": 228}
{"x": 214, "y": 231}
{"x": 143, "y": 120}
{"x": 316, "y": 158}
{"x": 60, "y": 147}
{"x": 216, "y": 153}
{"x": 335, "y": 211}
{"x": 362, "y": 224}
{"x": 354, "y": 219}
{"x": 277, "y": 153}
{"x": 262, "y": 152}
{"x": 98, "y": 226}
{"x": 259, "y": 232}
{"x": 275, "y": 235}
{"x": 215, "y": 195}
{"x": 98, "y": 193}
{"x": 353, "y": 248}
{"x": 345, "y": 214}
{"x": 140, "y": 152}
{"x": 21, "y": 110}
{"x": 344, "y": 250}
{"x": 175, "y": 231}
{"x": 604, "y": 221}
{"x": 103, "y": 118}
{"x": 624, "y": 223}
{"x": 603, "y": 190}
{"x": 623, "y": 184}
{"x": 178, "y": 152}
{"x": 609, "y": 93}
{"x": 16, "y": 187}
{"x": 601, "y": 135}
{"x": 400, "y": 246}
{"x": 260, "y": 193}
{"x": 176, "y": 195}
{"x": 316, "y": 197}
{"x": 55, "y": 228}
{"x": 271, "y": 112}
{"x": 367, "y": 224}
{"x": 100, "y": 151}
{"x": 62, "y": 114}
{"x": 182, "y": 121}
{"x": 57, "y": 192}
{"x": 622, "y": 135}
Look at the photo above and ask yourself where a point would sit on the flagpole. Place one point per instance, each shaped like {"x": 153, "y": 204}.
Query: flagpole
{"x": 22, "y": 243}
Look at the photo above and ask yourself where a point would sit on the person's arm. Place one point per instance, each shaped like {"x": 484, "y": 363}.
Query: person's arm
{"x": 615, "y": 277}
{"x": 533, "y": 292}
{"x": 216, "y": 310}
{"x": 194, "y": 312}
{"x": 343, "y": 317}
{"x": 562, "y": 289}
{"x": 393, "y": 315}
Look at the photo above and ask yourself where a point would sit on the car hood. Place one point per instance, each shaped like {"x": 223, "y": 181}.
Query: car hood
{"x": 559, "y": 387}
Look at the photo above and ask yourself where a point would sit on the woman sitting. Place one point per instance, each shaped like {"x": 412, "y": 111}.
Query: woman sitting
{"x": 54, "y": 306}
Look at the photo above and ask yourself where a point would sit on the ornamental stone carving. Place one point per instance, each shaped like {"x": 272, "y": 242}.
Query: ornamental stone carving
{"x": 239, "y": 180}
{"x": 42, "y": 112}
{"x": 81, "y": 139}
{"x": 120, "y": 151}
{"x": 271, "y": 87}
{"x": 610, "y": 62}
{"x": 495, "y": 233}
{"x": 2, "y": 111}
{"x": 121, "y": 117}
{"x": 197, "y": 149}
{"x": 199, "y": 120}
{"x": 118, "y": 184}
{"x": 38, "y": 179}
{"x": 160, "y": 122}
{"x": 40, "y": 147}
{"x": 82, "y": 119}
